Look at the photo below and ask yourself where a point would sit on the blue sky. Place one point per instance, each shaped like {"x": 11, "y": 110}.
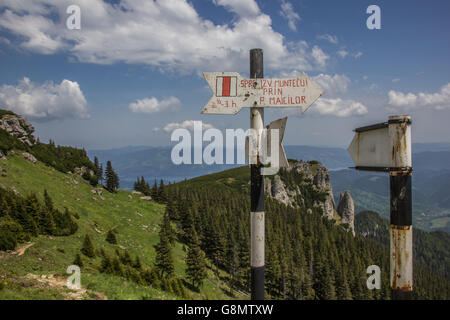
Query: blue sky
{"x": 133, "y": 71}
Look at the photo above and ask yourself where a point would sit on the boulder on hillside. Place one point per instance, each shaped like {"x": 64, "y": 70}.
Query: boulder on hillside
{"x": 29, "y": 157}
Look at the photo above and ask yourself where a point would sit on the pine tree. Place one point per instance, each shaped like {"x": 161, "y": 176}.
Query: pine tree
{"x": 112, "y": 180}
{"x": 88, "y": 247}
{"x": 154, "y": 191}
{"x": 166, "y": 227}
{"x": 171, "y": 209}
{"x": 98, "y": 170}
{"x": 195, "y": 261}
{"x": 48, "y": 201}
{"x": 137, "y": 264}
{"x": 142, "y": 186}
{"x": 111, "y": 237}
{"x": 78, "y": 261}
{"x": 162, "y": 197}
{"x": 231, "y": 260}
{"x": 164, "y": 260}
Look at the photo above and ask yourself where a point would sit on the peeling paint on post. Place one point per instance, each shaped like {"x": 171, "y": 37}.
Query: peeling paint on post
{"x": 401, "y": 249}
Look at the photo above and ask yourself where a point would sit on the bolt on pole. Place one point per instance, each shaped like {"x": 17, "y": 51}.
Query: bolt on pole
{"x": 401, "y": 238}
{"x": 257, "y": 228}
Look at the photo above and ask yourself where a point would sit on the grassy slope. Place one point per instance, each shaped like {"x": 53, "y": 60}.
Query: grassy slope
{"x": 117, "y": 210}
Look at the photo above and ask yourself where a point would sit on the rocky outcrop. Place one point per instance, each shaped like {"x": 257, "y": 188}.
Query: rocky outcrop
{"x": 19, "y": 127}
{"x": 29, "y": 157}
{"x": 319, "y": 176}
{"x": 82, "y": 170}
{"x": 346, "y": 211}
{"x": 314, "y": 174}
{"x": 278, "y": 191}
{"x": 322, "y": 182}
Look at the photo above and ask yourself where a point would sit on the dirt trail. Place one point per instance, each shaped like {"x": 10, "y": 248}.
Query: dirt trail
{"x": 60, "y": 282}
{"x": 21, "y": 249}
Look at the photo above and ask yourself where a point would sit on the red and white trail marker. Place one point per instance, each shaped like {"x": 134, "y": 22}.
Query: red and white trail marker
{"x": 231, "y": 92}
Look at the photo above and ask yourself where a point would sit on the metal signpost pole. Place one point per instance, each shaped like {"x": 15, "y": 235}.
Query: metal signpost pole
{"x": 386, "y": 147}
{"x": 257, "y": 228}
{"x": 401, "y": 251}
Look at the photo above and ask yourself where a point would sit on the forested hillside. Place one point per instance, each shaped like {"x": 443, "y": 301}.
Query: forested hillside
{"x": 307, "y": 255}
{"x": 431, "y": 249}
{"x": 51, "y": 217}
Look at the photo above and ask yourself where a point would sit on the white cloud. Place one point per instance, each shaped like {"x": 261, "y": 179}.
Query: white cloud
{"x": 332, "y": 84}
{"x": 395, "y": 80}
{"x": 246, "y": 8}
{"x": 338, "y": 107}
{"x": 38, "y": 30}
{"x": 410, "y": 101}
{"x": 166, "y": 34}
{"x": 365, "y": 77}
{"x": 153, "y": 105}
{"x": 287, "y": 12}
{"x": 46, "y": 101}
{"x": 328, "y": 37}
{"x": 319, "y": 56}
{"x": 342, "y": 53}
{"x": 357, "y": 54}
{"x": 187, "y": 124}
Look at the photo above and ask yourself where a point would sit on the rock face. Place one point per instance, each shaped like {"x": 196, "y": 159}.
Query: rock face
{"x": 322, "y": 182}
{"x": 315, "y": 174}
{"x": 278, "y": 191}
{"x": 19, "y": 127}
{"x": 320, "y": 178}
{"x": 346, "y": 210}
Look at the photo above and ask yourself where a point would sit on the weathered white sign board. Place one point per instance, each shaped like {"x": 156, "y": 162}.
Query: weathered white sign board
{"x": 280, "y": 126}
{"x": 382, "y": 147}
{"x": 231, "y": 92}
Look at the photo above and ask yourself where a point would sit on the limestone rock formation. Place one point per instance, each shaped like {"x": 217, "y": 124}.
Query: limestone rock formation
{"x": 320, "y": 177}
{"x": 279, "y": 191}
{"x": 19, "y": 127}
{"x": 346, "y": 211}
{"x": 314, "y": 173}
{"x": 322, "y": 182}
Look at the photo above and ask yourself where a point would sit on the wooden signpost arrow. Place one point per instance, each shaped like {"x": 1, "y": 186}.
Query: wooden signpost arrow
{"x": 231, "y": 93}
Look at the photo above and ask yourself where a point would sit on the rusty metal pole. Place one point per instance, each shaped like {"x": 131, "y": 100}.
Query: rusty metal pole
{"x": 257, "y": 227}
{"x": 401, "y": 248}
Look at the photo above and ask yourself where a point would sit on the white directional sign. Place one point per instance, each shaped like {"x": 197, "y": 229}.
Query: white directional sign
{"x": 231, "y": 92}
{"x": 266, "y": 138}
{"x": 383, "y": 146}
{"x": 279, "y": 125}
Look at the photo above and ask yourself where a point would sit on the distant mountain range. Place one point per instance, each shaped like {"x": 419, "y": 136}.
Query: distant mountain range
{"x": 370, "y": 191}
{"x": 155, "y": 162}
